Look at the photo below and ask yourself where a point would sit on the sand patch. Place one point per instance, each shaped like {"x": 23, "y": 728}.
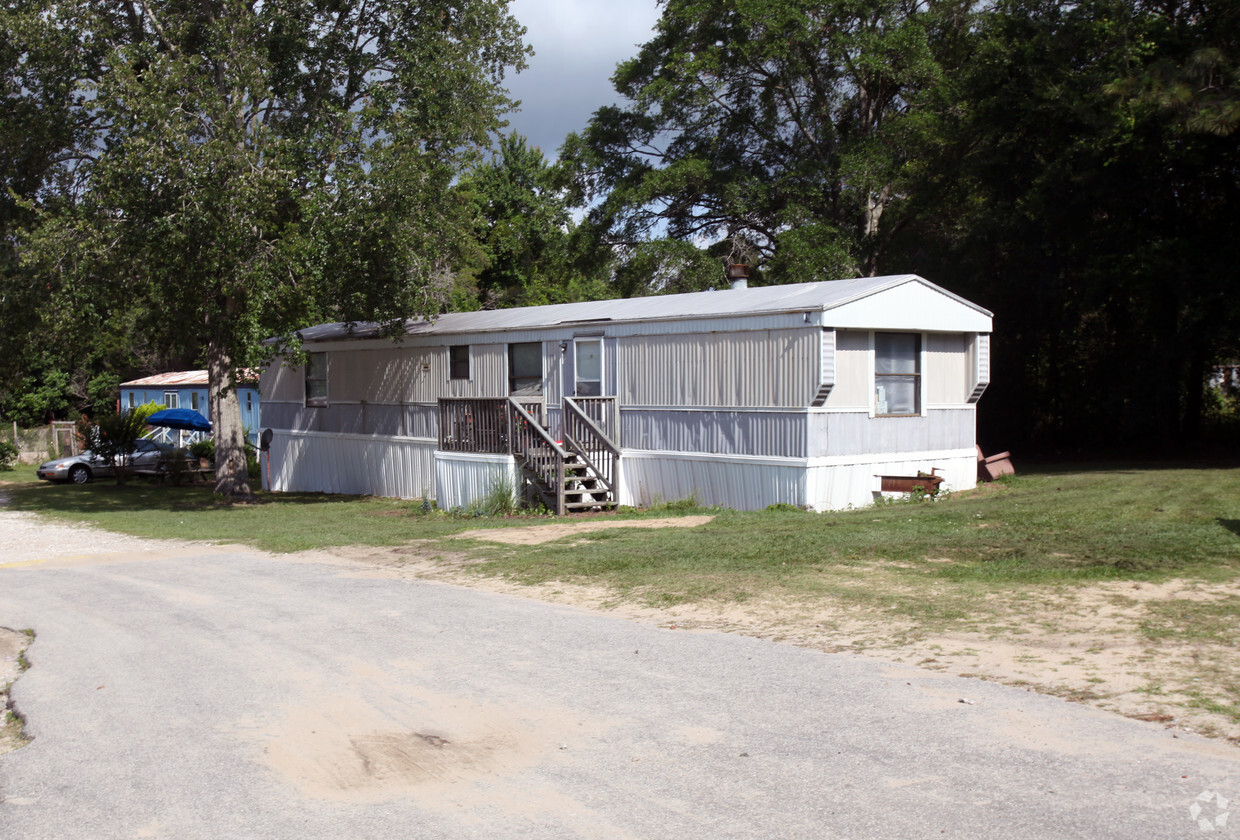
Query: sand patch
{"x": 539, "y": 534}
{"x": 1088, "y": 644}
{"x": 12, "y": 645}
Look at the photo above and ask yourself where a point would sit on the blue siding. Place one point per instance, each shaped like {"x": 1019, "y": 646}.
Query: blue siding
{"x": 248, "y": 397}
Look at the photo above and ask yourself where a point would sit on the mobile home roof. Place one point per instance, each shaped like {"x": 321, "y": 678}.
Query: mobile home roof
{"x": 764, "y": 300}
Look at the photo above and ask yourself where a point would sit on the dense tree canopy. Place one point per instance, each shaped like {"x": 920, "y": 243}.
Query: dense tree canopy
{"x": 183, "y": 179}
{"x": 232, "y": 170}
{"x": 779, "y": 125}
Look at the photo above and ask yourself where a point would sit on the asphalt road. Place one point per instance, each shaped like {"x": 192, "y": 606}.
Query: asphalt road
{"x": 217, "y": 694}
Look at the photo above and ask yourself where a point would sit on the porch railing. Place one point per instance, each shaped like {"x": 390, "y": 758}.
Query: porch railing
{"x": 473, "y": 424}
{"x": 584, "y": 436}
{"x": 602, "y": 411}
{"x": 541, "y": 455}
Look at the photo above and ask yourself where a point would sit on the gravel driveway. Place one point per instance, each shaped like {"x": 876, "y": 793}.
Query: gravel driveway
{"x": 181, "y": 691}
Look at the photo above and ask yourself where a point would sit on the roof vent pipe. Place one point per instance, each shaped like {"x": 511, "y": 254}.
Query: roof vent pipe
{"x": 738, "y": 274}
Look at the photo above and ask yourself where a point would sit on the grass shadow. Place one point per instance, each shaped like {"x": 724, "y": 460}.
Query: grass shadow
{"x": 1232, "y": 525}
{"x": 139, "y": 495}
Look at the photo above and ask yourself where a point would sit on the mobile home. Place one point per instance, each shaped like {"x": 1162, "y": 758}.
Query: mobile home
{"x": 802, "y": 394}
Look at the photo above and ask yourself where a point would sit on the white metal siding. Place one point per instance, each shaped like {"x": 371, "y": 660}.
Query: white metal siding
{"x": 857, "y": 433}
{"x": 774, "y": 433}
{"x": 736, "y": 369}
{"x": 282, "y": 384}
{"x": 946, "y": 375}
{"x": 854, "y": 386}
{"x": 335, "y": 463}
{"x": 734, "y": 482}
{"x": 462, "y": 478}
{"x": 837, "y": 486}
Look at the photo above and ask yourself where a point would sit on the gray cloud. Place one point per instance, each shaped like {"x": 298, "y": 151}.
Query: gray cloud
{"x": 578, "y": 44}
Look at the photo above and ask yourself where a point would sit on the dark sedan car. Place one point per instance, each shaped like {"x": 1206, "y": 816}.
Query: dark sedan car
{"x": 80, "y": 469}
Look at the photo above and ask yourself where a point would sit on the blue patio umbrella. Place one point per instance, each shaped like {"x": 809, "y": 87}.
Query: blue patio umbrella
{"x": 179, "y": 418}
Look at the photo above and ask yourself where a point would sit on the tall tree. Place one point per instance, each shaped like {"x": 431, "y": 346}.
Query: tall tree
{"x": 525, "y": 233}
{"x": 243, "y": 168}
{"x": 775, "y": 123}
{"x": 1099, "y": 222}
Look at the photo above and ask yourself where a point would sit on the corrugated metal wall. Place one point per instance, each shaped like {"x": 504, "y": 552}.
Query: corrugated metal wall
{"x": 334, "y": 463}
{"x": 463, "y": 478}
{"x": 856, "y": 433}
{"x": 651, "y": 477}
{"x": 946, "y": 374}
{"x": 761, "y": 368}
{"x": 282, "y": 384}
{"x": 777, "y": 434}
{"x": 854, "y": 380}
{"x": 839, "y": 486}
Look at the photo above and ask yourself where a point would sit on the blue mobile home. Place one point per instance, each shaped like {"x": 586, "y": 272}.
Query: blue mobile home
{"x": 188, "y": 389}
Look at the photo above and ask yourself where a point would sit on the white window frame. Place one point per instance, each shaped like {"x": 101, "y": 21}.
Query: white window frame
{"x": 170, "y": 399}
{"x": 513, "y": 390}
{"x": 325, "y": 378}
{"x": 602, "y": 365}
{"x": 920, "y": 373}
{"x": 469, "y": 364}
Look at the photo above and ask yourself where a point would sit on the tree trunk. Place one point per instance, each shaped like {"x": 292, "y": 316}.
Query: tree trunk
{"x": 231, "y": 478}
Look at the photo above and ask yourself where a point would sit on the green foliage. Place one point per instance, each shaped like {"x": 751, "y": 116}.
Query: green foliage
{"x": 500, "y": 498}
{"x": 760, "y": 122}
{"x": 176, "y": 468}
{"x": 241, "y": 170}
{"x": 112, "y": 437}
{"x": 1098, "y": 227}
{"x": 204, "y": 448}
{"x": 525, "y": 246}
{"x": 8, "y": 455}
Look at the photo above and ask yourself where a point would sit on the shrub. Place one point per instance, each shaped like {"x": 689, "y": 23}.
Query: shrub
{"x": 204, "y": 448}
{"x": 8, "y": 454}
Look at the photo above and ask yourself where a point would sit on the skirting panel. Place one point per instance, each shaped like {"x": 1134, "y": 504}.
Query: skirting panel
{"x": 312, "y": 462}
{"x": 463, "y": 478}
{"x": 838, "y": 486}
{"x": 745, "y": 483}
{"x": 736, "y": 482}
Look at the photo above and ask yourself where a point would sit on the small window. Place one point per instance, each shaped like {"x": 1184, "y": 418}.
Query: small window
{"x": 458, "y": 361}
{"x": 193, "y": 400}
{"x": 588, "y": 367}
{"x": 170, "y": 399}
{"x": 316, "y": 379}
{"x": 249, "y": 400}
{"x": 131, "y": 405}
{"x": 897, "y": 374}
{"x": 525, "y": 372}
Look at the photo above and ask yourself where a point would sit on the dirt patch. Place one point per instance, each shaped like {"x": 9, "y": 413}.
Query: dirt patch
{"x": 12, "y": 662}
{"x": 539, "y": 534}
{"x": 1087, "y": 644}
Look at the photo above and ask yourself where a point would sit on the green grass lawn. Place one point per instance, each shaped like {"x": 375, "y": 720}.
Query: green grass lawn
{"x": 1054, "y": 526}
{"x": 1049, "y": 527}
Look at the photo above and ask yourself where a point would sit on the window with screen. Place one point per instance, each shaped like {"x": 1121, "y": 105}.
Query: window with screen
{"x": 458, "y": 361}
{"x": 525, "y": 372}
{"x": 170, "y": 399}
{"x": 316, "y": 379}
{"x": 897, "y": 374}
{"x": 588, "y": 367}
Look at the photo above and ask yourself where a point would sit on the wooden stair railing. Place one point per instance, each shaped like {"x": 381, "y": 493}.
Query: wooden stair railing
{"x": 541, "y": 458}
{"x": 592, "y": 477}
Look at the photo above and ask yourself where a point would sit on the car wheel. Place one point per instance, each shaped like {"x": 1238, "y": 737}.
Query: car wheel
{"x": 79, "y": 474}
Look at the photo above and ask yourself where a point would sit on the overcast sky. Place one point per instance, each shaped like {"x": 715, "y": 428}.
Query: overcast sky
{"x": 577, "y": 45}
